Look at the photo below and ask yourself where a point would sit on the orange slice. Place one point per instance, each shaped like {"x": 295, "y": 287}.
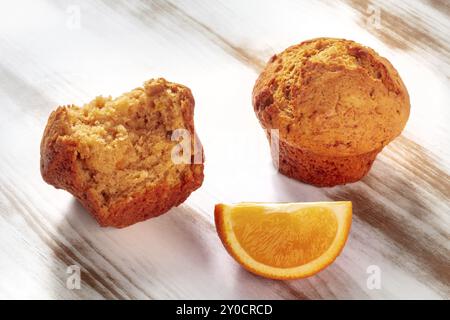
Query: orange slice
{"x": 284, "y": 240}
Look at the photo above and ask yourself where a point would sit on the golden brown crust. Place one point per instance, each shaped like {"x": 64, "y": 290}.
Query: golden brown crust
{"x": 151, "y": 203}
{"x": 330, "y": 99}
{"x": 320, "y": 170}
{"x": 62, "y": 167}
{"x": 58, "y": 154}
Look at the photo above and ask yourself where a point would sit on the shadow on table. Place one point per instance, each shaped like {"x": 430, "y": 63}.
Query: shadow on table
{"x": 123, "y": 263}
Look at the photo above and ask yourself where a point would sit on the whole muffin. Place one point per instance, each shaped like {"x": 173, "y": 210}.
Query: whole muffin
{"x": 335, "y": 103}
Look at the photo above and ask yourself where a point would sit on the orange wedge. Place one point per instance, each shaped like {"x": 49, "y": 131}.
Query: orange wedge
{"x": 284, "y": 240}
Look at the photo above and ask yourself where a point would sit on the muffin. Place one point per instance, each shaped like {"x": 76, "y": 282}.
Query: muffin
{"x": 335, "y": 104}
{"x": 115, "y": 155}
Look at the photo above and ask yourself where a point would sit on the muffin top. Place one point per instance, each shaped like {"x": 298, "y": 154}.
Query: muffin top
{"x": 332, "y": 97}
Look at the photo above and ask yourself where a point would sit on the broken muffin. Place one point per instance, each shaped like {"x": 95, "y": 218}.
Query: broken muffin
{"x": 116, "y": 156}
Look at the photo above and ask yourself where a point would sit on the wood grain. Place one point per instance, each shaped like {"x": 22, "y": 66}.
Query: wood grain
{"x": 401, "y": 209}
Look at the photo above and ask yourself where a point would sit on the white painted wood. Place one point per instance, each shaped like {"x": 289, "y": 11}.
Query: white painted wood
{"x": 401, "y": 209}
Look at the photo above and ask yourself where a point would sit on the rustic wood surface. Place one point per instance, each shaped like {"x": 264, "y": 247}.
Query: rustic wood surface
{"x": 60, "y": 52}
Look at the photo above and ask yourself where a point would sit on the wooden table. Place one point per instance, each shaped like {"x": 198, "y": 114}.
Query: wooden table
{"x": 61, "y": 52}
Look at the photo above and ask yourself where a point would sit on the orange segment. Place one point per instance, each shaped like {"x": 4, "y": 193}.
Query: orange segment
{"x": 284, "y": 240}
